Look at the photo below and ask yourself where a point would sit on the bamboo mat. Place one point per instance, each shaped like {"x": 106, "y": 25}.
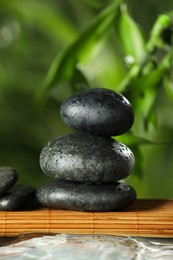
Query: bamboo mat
{"x": 145, "y": 218}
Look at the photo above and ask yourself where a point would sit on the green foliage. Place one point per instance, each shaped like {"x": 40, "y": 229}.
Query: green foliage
{"x": 65, "y": 63}
{"x": 168, "y": 84}
{"x": 112, "y": 51}
{"x": 131, "y": 38}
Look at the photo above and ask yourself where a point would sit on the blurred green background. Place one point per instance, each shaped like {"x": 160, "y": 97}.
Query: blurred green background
{"x": 98, "y": 43}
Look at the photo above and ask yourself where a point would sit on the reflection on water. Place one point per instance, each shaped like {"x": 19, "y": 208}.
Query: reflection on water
{"x": 82, "y": 247}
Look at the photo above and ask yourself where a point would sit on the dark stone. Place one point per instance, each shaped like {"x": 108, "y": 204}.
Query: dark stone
{"x": 8, "y": 177}
{"x": 86, "y": 197}
{"x": 98, "y": 111}
{"x": 16, "y": 197}
{"x": 81, "y": 157}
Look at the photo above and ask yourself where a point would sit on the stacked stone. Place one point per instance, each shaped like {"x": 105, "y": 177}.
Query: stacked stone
{"x": 13, "y": 196}
{"x": 88, "y": 164}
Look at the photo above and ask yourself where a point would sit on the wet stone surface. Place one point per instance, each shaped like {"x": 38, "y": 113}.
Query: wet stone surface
{"x": 8, "y": 178}
{"x": 81, "y": 157}
{"x": 98, "y": 111}
{"x": 87, "y": 165}
{"x": 86, "y": 197}
{"x": 16, "y": 197}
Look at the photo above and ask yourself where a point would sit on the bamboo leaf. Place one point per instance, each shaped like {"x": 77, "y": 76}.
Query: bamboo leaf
{"x": 155, "y": 41}
{"x": 130, "y": 35}
{"x": 64, "y": 64}
{"x": 136, "y": 81}
{"x": 168, "y": 84}
{"x": 132, "y": 140}
{"x": 161, "y": 25}
{"x": 79, "y": 81}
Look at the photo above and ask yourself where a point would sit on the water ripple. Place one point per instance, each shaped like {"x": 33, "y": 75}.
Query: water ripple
{"x": 87, "y": 247}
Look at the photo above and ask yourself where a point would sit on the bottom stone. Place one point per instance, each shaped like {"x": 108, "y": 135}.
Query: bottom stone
{"x": 86, "y": 197}
{"x": 16, "y": 197}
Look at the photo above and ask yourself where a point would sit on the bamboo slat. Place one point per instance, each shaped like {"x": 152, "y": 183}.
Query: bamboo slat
{"x": 146, "y": 218}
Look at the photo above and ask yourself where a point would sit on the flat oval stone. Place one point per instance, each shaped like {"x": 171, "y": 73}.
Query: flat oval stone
{"x": 8, "y": 177}
{"x": 98, "y": 111}
{"x": 16, "y": 197}
{"x": 80, "y": 157}
{"x": 86, "y": 197}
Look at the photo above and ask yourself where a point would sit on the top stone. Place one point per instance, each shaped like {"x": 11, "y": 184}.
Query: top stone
{"x": 98, "y": 111}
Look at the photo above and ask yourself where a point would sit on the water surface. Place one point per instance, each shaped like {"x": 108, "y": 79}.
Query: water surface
{"x": 87, "y": 247}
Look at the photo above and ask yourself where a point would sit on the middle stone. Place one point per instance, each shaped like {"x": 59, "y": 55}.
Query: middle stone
{"x": 81, "y": 157}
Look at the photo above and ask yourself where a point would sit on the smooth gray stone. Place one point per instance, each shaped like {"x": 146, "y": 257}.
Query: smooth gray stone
{"x": 8, "y": 178}
{"x": 86, "y": 197}
{"x": 16, "y": 197}
{"x": 98, "y": 111}
{"x": 81, "y": 157}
